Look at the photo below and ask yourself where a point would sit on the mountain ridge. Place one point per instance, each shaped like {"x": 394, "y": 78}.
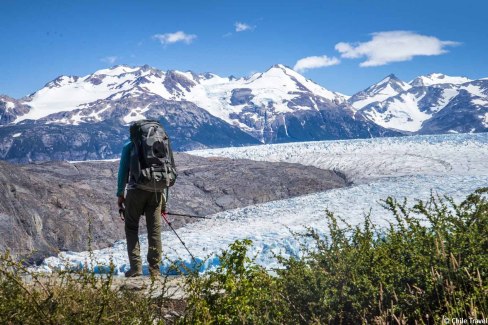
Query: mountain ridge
{"x": 411, "y": 109}
{"x": 206, "y": 110}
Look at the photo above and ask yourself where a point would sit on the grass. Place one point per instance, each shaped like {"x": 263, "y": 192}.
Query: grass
{"x": 78, "y": 297}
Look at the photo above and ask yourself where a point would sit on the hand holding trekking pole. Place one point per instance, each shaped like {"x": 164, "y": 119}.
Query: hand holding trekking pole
{"x": 120, "y": 203}
{"x": 122, "y": 213}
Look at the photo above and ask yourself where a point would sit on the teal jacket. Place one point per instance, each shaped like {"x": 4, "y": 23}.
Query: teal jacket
{"x": 124, "y": 167}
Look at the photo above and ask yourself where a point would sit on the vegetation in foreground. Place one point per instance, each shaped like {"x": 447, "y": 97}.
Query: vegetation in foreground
{"x": 78, "y": 297}
{"x": 430, "y": 264}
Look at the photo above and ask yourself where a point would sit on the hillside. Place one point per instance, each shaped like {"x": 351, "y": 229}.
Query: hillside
{"x": 46, "y": 208}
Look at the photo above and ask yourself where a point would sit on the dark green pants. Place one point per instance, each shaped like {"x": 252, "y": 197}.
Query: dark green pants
{"x": 139, "y": 202}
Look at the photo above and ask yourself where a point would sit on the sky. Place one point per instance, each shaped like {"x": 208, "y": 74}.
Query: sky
{"x": 343, "y": 45}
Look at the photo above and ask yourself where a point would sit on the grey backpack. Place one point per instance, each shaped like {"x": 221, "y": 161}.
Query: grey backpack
{"x": 152, "y": 165}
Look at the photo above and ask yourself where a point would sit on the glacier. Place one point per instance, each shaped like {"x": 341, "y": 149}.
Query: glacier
{"x": 408, "y": 167}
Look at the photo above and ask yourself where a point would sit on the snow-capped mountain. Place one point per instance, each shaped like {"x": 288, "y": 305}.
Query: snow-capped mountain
{"x": 386, "y": 88}
{"x": 76, "y": 117}
{"x": 430, "y": 104}
{"x": 199, "y": 110}
{"x": 279, "y": 87}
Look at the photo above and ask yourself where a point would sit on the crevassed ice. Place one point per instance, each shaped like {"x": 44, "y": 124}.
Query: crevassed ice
{"x": 408, "y": 167}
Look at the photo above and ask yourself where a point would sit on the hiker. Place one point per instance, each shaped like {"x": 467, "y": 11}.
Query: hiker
{"x": 146, "y": 171}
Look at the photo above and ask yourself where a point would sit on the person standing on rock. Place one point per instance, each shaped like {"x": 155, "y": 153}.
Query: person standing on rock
{"x": 146, "y": 171}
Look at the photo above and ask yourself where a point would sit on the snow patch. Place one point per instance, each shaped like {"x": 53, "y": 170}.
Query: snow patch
{"x": 116, "y": 71}
{"x": 475, "y": 90}
{"x": 480, "y": 102}
{"x": 67, "y": 98}
{"x": 96, "y": 115}
{"x": 447, "y": 95}
{"x": 381, "y": 91}
{"x": 402, "y": 113}
{"x": 136, "y": 114}
{"x": 439, "y": 78}
{"x": 157, "y": 87}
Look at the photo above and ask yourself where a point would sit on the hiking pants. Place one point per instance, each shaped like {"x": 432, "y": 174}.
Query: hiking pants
{"x": 139, "y": 202}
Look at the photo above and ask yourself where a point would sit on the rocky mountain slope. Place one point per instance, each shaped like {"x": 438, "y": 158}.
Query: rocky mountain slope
{"x": 190, "y": 127}
{"x": 10, "y": 109}
{"x": 49, "y": 207}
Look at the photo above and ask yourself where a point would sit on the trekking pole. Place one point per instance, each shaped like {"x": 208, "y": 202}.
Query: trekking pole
{"x": 184, "y": 245}
{"x": 186, "y": 215}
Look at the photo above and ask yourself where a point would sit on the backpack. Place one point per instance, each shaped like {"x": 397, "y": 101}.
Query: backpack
{"x": 152, "y": 166}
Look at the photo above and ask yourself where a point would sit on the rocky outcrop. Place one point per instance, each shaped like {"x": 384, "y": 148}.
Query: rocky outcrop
{"x": 10, "y": 108}
{"x": 49, "y": 207}
{"x": 465, "y": 113}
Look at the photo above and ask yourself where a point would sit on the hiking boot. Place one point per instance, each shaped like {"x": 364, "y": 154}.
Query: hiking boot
{"x": 133, "y": 273}
{"x": 154, "y": 271}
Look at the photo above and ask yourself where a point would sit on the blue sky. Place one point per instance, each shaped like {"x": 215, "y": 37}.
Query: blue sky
{"x": 344, "y": 45}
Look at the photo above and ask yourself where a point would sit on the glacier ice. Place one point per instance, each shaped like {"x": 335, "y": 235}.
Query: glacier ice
{"x": 410, "y": 167}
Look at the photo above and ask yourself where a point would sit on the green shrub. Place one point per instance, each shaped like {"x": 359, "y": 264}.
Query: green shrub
{"x": 430, "y": 263}
{"x": 237, "y": 292}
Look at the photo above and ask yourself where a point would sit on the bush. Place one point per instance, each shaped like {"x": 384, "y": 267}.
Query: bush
{"x": 429, "y": 264}
{"x": 237, "y": 292}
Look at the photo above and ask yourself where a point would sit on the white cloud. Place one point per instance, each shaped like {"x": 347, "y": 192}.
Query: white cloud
{"x": 242, "y": 27}
{"x": 171, "y": 38}
{"x": 109, "y": 59}
{"x": 393, "y": 46}
{"x": 314, "y": 62}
